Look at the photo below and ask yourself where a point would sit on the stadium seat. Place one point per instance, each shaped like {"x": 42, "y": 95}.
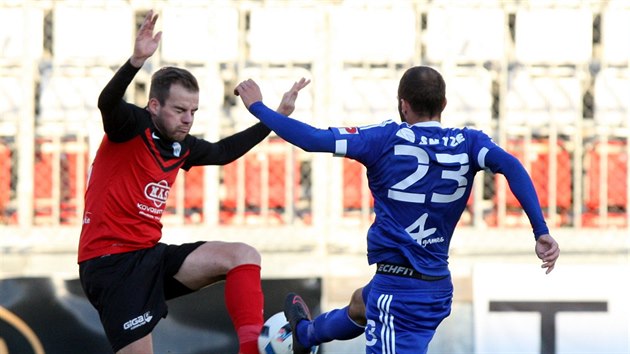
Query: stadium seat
{"x": 536, "y": 157}
{"x": 211, "y": 101}
{"x": 538, "y": 98}
{"x": 456, "y": 34}
{"x": 194, "y": 189}
{"x": 11, "y": 104}
{"x": 611, "y": 98}
{"x": 60, "y": 178}
{"x": 615, "y": 33}
{"x": 43, "y": 182}
{"x": 22, "y": 32}
{"x": 365, "y": 96}
{"x": 69, "y": 98}
{"x": 302, "y": 27}
{"x": 469, "y": 95}
{"x": 214, "y": 29}
{"x": 606, "y": 166}
{"x": 553, "y": 36}
{"x": 354, "y": 186}
{"x": 74, "y": 163}
{"x": 265, "y": 174}
{"x": 374, "y": 35}
{"x": 6, "y": 166}
{"x": 193, "y": 198}
{"x": 79, "y": 34}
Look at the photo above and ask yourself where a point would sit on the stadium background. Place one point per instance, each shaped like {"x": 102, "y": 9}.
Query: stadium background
{"x": 549, "y": 80}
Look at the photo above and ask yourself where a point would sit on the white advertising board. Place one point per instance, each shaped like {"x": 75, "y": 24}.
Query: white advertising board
{"x": 575, "y": 309}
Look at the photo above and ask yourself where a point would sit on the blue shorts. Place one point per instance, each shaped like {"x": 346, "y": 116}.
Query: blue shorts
{"x": 403, "y": 313}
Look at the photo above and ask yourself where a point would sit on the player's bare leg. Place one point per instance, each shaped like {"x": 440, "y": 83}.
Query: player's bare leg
{"x": 143, "y": 345}
{"x": 356, "y": 308}
{"x": 211, "y": 262}
{"x": 239, "y": 264}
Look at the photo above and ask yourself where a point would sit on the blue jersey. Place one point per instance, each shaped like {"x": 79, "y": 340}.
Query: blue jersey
{"x": 421, "y": 177}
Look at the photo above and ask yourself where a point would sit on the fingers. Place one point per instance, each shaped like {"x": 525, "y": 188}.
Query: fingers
{"x": 149, "y": 21}
{"x": 297, "y": 86}
{"x": 550, "y": 257}
{"x": 249, "y": 92}
{"x": 548, "y": 251}
{"x": 248, "y": 84}
{"x": 549, "y": 265}
{"x": 239, "y": 88}
{"x": 154, "y": 19}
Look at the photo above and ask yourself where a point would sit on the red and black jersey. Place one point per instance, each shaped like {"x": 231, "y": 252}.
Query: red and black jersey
{"x": 134, "y": 170}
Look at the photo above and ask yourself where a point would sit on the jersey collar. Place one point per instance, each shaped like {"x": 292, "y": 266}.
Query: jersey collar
{"x": 429, "y": 124}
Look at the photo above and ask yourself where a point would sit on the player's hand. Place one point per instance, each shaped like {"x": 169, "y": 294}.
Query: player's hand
{"x": 548, "y": 251}
{"x": 146, "y": 42}
{"x": 287, "y": 105}
{"x": 249, "y": 92}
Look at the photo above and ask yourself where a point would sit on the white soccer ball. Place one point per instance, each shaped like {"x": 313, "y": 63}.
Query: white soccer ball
{"x": 275, "y": 336}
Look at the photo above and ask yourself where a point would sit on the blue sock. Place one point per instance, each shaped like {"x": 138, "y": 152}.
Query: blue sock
{"x": 335, "y": 324}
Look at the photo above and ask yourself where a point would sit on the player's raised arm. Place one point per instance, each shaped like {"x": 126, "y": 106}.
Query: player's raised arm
{"x": 116, "y": 113}
{"x": 287, "y": 105}
{"x": 146, "y": 42}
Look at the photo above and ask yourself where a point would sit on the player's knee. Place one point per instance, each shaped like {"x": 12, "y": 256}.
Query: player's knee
{"x": 243, "y": 253}
{"x": 356, "y": 309}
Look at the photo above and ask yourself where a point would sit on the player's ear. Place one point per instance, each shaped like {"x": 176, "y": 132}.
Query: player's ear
{"x": 405, "y": 106}
{"x": 444, "y": 104}
{"x": 153, "y": 106}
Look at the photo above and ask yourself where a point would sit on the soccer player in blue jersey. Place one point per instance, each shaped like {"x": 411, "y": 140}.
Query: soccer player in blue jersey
{"x": 420, "y": 175}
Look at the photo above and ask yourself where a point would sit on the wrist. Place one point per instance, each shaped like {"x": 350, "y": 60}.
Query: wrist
{"x": 136, "y": 62}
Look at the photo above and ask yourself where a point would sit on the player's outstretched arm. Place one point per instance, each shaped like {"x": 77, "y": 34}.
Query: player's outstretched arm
{"x": 146, "y": 42}
{"x": 295, "y": 132}
{"x": 548, "y": 251}
{"x": 250, "y": 93}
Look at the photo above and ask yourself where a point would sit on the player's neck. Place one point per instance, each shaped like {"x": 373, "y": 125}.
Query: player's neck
{"x": 418, "y": 119}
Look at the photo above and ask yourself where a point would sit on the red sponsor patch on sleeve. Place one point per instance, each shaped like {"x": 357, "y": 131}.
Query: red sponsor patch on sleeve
{"x": 348, "y": 130}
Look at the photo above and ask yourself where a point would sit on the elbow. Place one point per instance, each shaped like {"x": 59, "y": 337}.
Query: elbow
{"x": 102, "y": 103}
{"x": 313, "y": 148}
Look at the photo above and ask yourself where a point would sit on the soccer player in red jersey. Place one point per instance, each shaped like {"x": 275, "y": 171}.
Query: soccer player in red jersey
{"x": 125, "y": 271}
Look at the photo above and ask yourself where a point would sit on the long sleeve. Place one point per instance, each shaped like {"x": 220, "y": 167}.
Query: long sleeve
{"x": 118, "y": 116}
{"x": 300, "y": 134}
{"x": 227, "y": 149}
{"x": 520, "y": 183}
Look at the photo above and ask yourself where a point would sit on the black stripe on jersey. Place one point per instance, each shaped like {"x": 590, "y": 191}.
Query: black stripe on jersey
{"x": 163, "y": 155}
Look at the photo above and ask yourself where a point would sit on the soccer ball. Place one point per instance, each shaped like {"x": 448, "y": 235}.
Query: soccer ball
{"x": 275, "y": 336}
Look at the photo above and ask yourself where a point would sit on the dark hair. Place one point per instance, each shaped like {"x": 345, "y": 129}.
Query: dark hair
{"x": 162, "y": 80}
{"x": 424, "y": 89}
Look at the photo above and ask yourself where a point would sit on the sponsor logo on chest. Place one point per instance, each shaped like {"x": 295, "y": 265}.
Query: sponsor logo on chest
{"x": 157, "y": 192}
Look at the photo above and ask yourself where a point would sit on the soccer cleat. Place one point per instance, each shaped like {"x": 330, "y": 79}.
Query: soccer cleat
{"x": 295, "y": 310}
